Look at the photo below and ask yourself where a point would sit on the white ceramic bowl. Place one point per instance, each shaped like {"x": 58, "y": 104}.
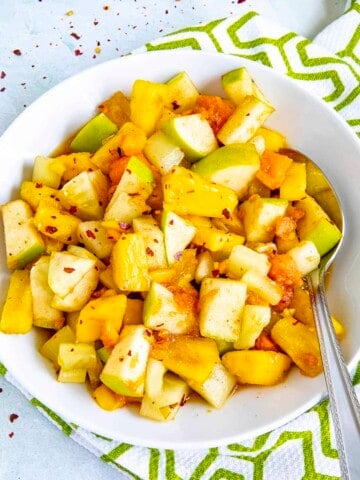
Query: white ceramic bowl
{"x": 309, "y": 126}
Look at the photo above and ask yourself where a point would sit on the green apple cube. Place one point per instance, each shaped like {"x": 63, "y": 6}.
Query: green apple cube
{"x": 161, "y": 311}
{"x": 243, "y": 258}
{"x": 50, "y": 349}
{"x": 47, "y": 171}
{"x": 75, "y": 375}
{"x": 153, "y": 239}
{"x": 260, "y": 217}
{"x": 237, "y": 84}
{"x": 222, "y": 301}
{"x": 163, "y": 152}
{"x": 193, "y": 134}
{"x": 305, "y": 256}
{"x": 233, "y": 166}
{"x": 124, "y": 372}
{"x": 23, "y": 243}
{"x": 45, "y": 315}
{"x": 182, "y": 92}
{"x": 263, "y": 286}
{"x": 217, "y": 387}
{"x": 95, "y": 238}
{"x": 253, "y": 320}
{"x": 154, "y": 379}
{"x": 76, "y": 355}
{"x": 92, "y": 135}
{"x": 317, "y": 226}
{"x": 245, "y": 121}
{"x": 178, "y": 233}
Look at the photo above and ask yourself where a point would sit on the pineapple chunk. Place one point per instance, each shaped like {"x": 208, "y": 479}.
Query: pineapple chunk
{"x": 17, "y": 315}
{"x": 56, "y": 224}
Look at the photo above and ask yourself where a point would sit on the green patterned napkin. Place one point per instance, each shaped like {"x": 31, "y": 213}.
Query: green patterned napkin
{"x": 305, "y": 448}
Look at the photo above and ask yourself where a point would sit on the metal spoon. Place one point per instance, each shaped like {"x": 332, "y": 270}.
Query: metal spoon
{"x": 344, "y": 404}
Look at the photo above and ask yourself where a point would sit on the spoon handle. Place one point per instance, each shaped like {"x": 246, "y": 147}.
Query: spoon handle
{"x": 344, "y": 404}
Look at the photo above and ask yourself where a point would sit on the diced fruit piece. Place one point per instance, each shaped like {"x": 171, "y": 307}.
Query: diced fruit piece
{"x": 55, "y": 223}
{"x": 154, "y": 380}
{"x": 104, "y": 353}
{"x": 75, "y": 375}
{"x": 178, "y": 233}
{"x": 260, "y": 216}
{"x": 33, "y": 192}
{"x": 93, "y": 133}
{"x": 163, "y": 152}
{"x": 220, "y": 243}
{"x": 154, "y": 240}
{"x": 124, "y": 372}
{"x": 129, "y": 263}
{"x": 243, "y": 258}
{"x": 163, "y": 311}
{"x": 193, "y": 134}
{"x": 101, "y": 318}
{"x": 246, "y": 119}
{"x": 300, "y": 342}
{"x": 23, "y": 243}
{"x": 217, "y": 387}
{"x": 50, "y": 348}
{"x": 184, "y": 268}
{"x": 84, "y": 253}
{"x": 273, "y": 169}
{"x": 232, "y": 166}
{"x": 134, "y": 311}
{"x": 95, "y": 238}
{"x": 294, "y": 185}
{"x": 47, "y": 171}
{"x": 328, "y": 202}
{"x": 238, "y": 84}
{"x": 76, "y": 355}
{"x": 305, "y": 256}
{"x": 17, "y": 315}
{"x": 253, "y": 319}
{"x": 45, "y": 315}
{"x": 221, "y": 301}
{"x": 72, "y": 164}
{"x": 147, "y": 102}
{"x": 273, "y": 140}
{"x": 129, "y": 198}
{"x": 190, "y": 357}
{"x": 317, "y": 226}
{"x": 205, "y": 266}
{"x": 263, "y": 286}
{"x": 302, "y": 304}
{"x": 117, "y": 108}
{"x": 107, "y": 399}
{"x": 257, "y": 367}
{"x": 107, "y": 279}
{"x": 187, "y": 193}
{"x": 182, "y": 92}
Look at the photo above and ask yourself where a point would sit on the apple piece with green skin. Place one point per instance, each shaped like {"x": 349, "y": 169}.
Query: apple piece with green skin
{"x": 260, "y": 216}
{"x": 222, "y": 301}
{"x": 242, "y": 125}
{"x": 253, "y": 320}
{"x": 163, "y": 152}
{"x": 182, "y": 92}
{"x": 233, "y": 166}
{"x": 243, "y": 258}
{"x": 45, "y": 315}
{"x": 217, "y": 387}
{"x": 238, "y": 84}
{"x": 187, "y": 193}
{"x": 47, "y": 171}
{"x": 92, "y": 135}
{"x": 161, "y": 312}
{"x": 178, "y": 233}
{"x": 193, "y": 134}
{"x": 317, "y": 226}
{"x": 124, "y": 371}
{"x": 23, "y": 243}
{"x": 154, "y": 240}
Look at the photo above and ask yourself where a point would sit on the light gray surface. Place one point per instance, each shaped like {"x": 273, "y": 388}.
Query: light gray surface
{"x": 42, "y": 31}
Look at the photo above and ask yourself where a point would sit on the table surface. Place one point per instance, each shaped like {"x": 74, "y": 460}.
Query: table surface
{"x": 44, "y": 32}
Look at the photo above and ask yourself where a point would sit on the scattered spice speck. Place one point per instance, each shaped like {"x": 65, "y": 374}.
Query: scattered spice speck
{"x": 106, "y": 7}
{"x": 17, "y": 52}
{"x": 77, "y": 52}
{"x": 75, "y": 35}
{"x": 69, "y": 13}
{"x": 13, "y": 417}
{"x": 11, "y": 434}
{"x": 2, "y": 89}
{"x": 2, "y": 74}
{"x": 96, "y": 22}
{"x": 97, "y": 50}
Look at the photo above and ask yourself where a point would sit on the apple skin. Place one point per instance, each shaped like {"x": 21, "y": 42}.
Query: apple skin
{"x": 93, "y": 133}
{"x": 232, "y": 166}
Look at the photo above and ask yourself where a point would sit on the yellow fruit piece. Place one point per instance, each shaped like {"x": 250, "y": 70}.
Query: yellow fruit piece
{"x": 129, "y": 263}
{"x": 56, "y": 224}
{"x": 300, "y": 342}
{"x": 187, "y": 193}
{"x": 190, "y": 357}
{"x": 50, "y": 349}
{"x": 134, "y": 312}
{"x": 117, "y": 108}
{"x": 273, "y": 140}
{"x": 217, "y": 240}
{"x": 294, "y": 185}
{"x": 33, "y": 192}
{"x": 17, "y": 315}
{"x": 101, "y": 318}
{"x": 257, "y": 367}
{"x": 107, "y": 399}
{"x": 162, "y": 275}
{"x": 72, "y": 164}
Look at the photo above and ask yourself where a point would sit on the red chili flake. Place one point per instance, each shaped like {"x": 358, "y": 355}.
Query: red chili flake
{"x": 149, "y": 252}
{"x": 171, "y": 222}
{"x": 215, "y": 273}
{"x": 75, "y": 35}
{"x": 11, "y": 434}
{"x": 183, "y": 400}
{"x": 95, "y": 22}
{"x": 90, "y": 234}
{"x": 13, "y": 417}
{"x": 147, "y": 333}
{"x": 69, "y": 269}
{"x": 2, "y": 74}
{"x": 50, "y": 229}
{"x": 17, "y": 52}
{"x": 72, "y": 209}
{"x": 129, "y": 353}
{"x": 175, "y": 105}
{"x": 78, "y": 52}
{"x": 2, "y": 89}
{"x": 241, "y": 1}
{"x": 226, "y": 213}
{"x": 106, "y": 7}
{"x": 178, "y": 255}
{"x": 1, "y": 390}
